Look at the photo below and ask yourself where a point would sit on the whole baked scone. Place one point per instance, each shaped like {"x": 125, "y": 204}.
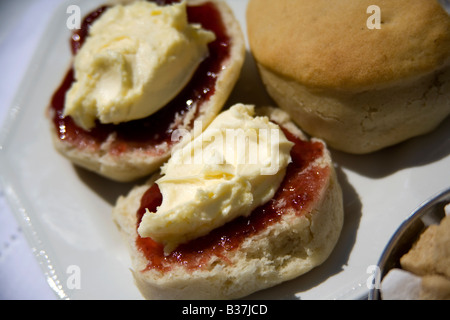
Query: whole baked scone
{"x": 289, "y": 220}
{"x": 141, "y": 70}
{"x": 358, "y": 88}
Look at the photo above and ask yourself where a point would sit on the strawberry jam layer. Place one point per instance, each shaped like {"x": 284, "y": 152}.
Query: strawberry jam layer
{"x": 148, "y": 133}
{"x": 299, "y": 190}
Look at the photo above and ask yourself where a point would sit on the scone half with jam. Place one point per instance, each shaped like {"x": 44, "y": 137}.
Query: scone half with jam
{"x": 140, "y": 70}
{"x": 248, "y": 204}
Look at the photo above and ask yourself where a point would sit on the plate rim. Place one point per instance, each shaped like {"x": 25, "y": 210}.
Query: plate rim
{"x": 14, "y": 201}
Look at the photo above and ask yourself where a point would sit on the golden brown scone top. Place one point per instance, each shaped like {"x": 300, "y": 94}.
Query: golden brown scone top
{"x": 324, "y": 43}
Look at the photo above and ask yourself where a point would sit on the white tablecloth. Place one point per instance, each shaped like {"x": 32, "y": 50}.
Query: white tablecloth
{"x": 21, "y": 26}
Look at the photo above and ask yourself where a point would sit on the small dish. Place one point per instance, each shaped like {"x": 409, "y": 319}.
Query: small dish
{"x": 429, "y": 213}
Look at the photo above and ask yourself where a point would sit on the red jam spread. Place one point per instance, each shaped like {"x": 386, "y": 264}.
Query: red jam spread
{"x": 299, "y": 190}
{"x": 148, "y": 133}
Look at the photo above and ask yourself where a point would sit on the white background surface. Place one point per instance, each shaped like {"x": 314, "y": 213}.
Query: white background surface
{"x": 380, "y": 190}
{"x": 22, "y": 23}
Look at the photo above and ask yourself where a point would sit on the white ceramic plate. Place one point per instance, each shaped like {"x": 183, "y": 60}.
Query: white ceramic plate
{"x": 65, "y": 211}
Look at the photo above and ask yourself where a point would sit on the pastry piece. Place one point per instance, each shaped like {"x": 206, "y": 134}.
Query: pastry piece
{"x": 420, "y": 260}
{"x": 360, "y": 89}
{"x": 435, "y": 287}
{"x": 431, "y": 253}
{"x": 442, "y": 248}
{"x": 425, "y": 273}
{"x": 133, "y": 149}
{"x": 295, "y": 231}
